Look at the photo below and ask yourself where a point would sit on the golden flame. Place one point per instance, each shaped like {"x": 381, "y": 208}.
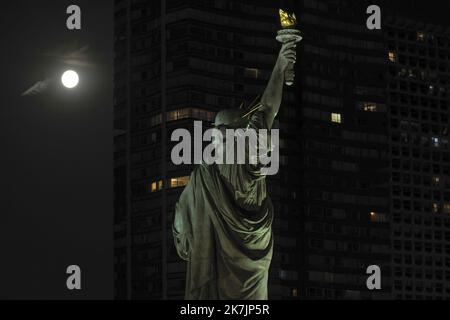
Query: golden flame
{"x": 287, "y": 19}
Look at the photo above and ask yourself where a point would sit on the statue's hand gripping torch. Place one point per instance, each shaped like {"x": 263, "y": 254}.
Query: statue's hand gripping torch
{"x": 289, "y": 33}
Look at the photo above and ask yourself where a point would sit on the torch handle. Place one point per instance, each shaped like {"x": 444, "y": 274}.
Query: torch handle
{"x": 284, "y": 36}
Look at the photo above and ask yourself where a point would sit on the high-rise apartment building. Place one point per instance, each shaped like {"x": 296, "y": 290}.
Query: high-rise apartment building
{"x": 418, "y": 98}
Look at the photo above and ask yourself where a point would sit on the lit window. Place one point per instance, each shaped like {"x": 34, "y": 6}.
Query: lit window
{"x": 179, "y": 182}
{"x": 336, "y": 118}
{"x": 185, "y": 113}
{"x": 202, "y": 114}
{"x": 178, "y": 114}
{"x": 435, "y": 141}
{"x": 392, "y": 56}
{"x": 436, "y": 180}
{"x": 156, "y": 186}
{"x": 295, "y": 292}
{"x": 370, "y": 108}
{"x": 251, "y": 73}
{"x": 378, "y": 217}
{"x": 420, "y": 36}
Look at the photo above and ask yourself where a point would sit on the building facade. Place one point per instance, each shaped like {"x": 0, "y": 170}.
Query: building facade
{"x": 345, "y": 221}
{"x": 418, "y": 98}
{"x": 339, "y": 194}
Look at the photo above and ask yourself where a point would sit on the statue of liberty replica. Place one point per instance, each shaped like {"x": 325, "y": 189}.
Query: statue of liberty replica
{"x": 223, "y": 219}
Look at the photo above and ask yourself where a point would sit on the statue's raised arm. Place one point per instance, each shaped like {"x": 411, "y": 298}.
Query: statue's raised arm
{"x": 273, "y": 93}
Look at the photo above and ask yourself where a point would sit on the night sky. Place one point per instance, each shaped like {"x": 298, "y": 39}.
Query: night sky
{"x": 56, "y": 152}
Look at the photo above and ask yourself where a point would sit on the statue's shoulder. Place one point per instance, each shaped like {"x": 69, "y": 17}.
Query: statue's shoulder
{"x": 202, "y": 169}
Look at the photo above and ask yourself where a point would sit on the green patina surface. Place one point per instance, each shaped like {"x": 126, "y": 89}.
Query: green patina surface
{"x": 223, "y": 230}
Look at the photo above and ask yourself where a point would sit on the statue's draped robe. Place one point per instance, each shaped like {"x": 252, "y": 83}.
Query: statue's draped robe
{"x": 222, "y": 228}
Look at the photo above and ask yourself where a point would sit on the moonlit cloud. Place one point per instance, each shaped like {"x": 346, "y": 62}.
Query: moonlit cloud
{"x": 77, "y": 57}
{"x": 37, "y": 88}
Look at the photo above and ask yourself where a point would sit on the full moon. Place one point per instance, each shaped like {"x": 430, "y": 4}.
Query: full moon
{"x": 70, "y": 79}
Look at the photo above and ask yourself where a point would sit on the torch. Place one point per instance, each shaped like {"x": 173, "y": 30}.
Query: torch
{"x": 289, "y": 32}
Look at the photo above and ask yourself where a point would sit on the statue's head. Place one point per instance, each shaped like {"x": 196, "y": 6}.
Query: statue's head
{"x": 231, "y": 118}
{"x": 227, "y": 119}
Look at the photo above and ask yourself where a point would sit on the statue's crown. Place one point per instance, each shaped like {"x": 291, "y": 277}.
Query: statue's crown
{"x": 239, "y": 116}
